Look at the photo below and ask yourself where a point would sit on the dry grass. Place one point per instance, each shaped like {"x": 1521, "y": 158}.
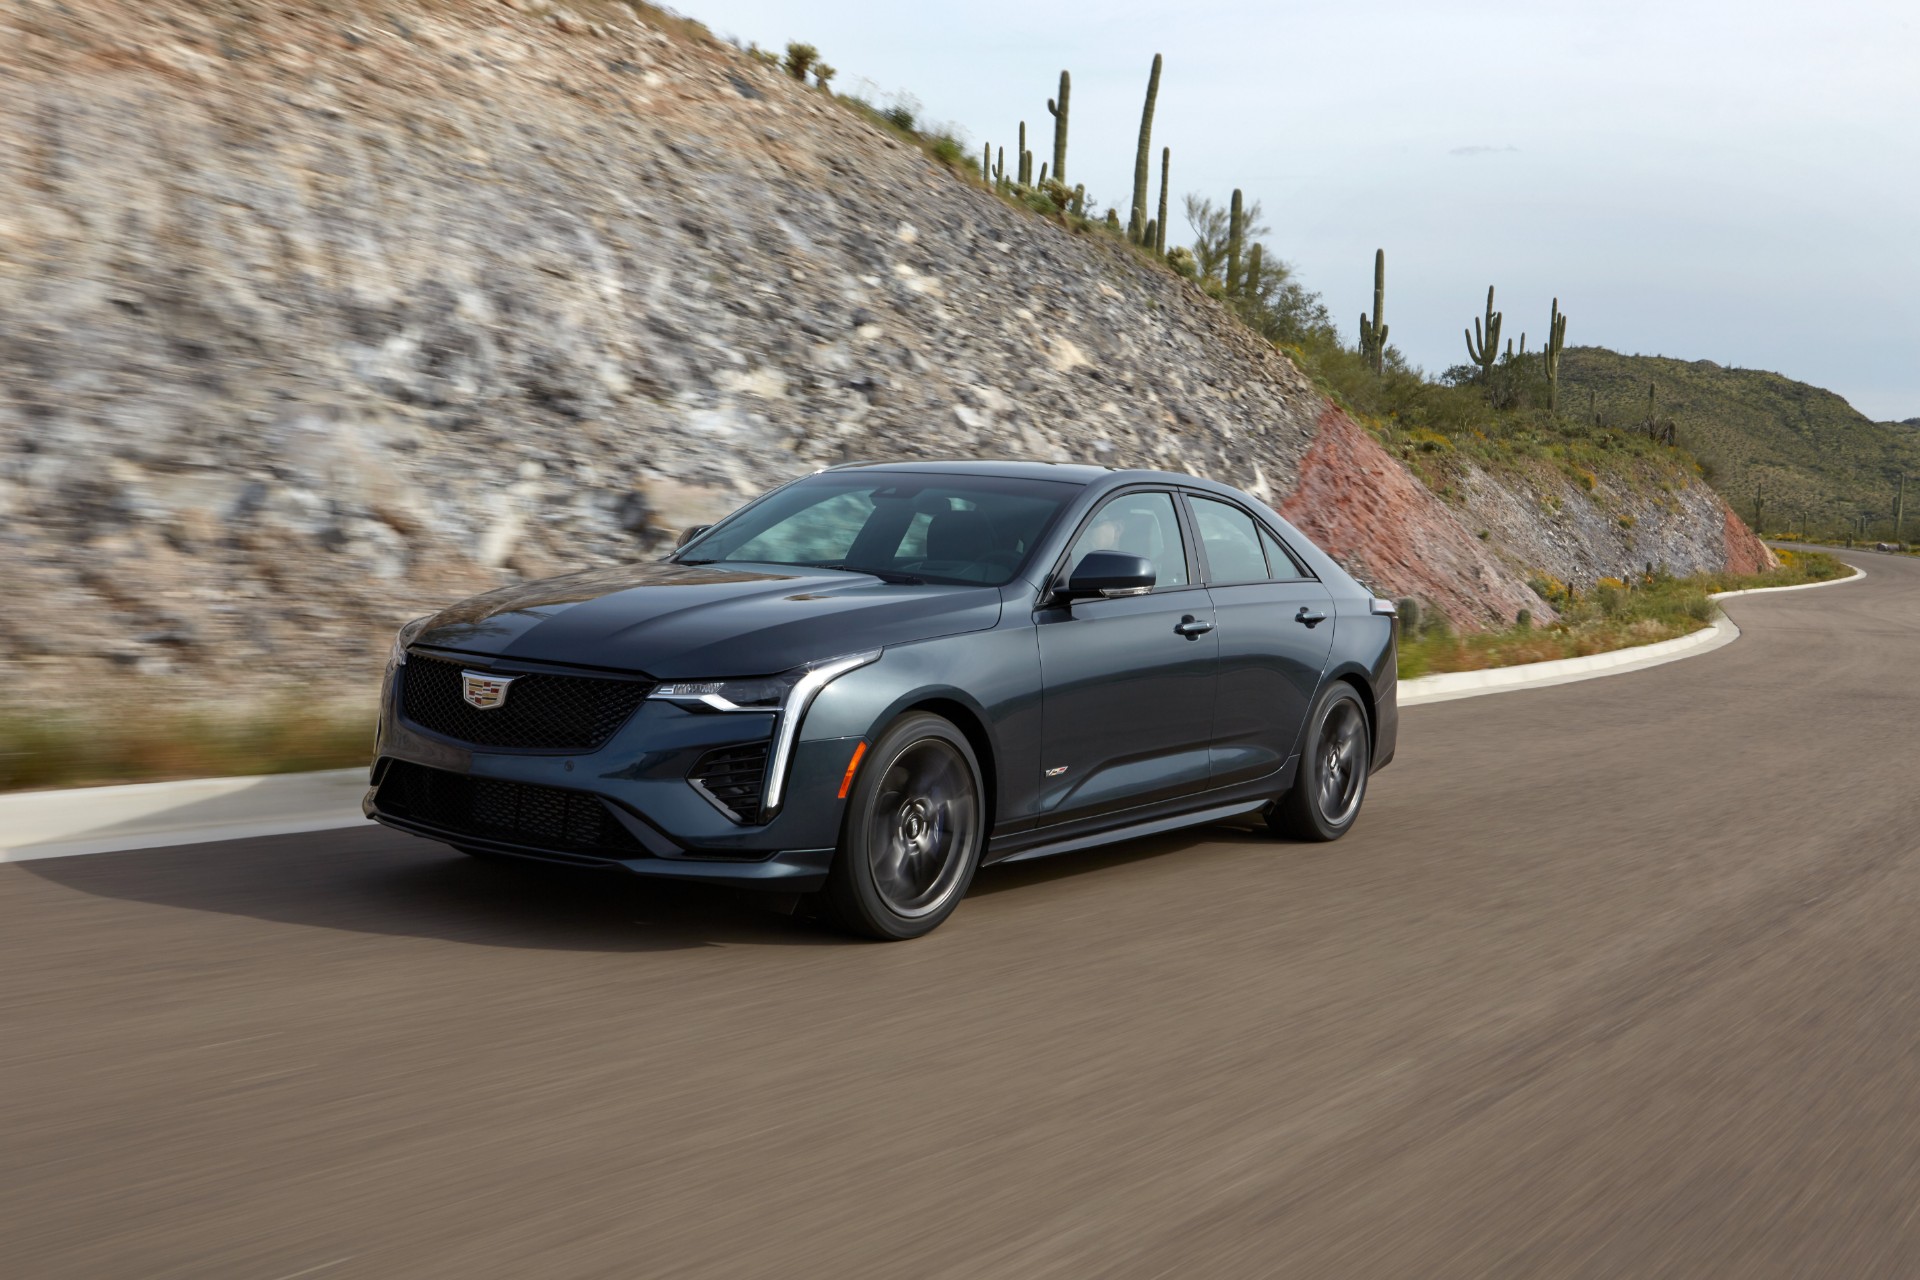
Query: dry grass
{"x": 88, "y": 749}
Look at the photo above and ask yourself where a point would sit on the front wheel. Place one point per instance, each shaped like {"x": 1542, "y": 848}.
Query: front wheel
{"x": 913, "y": 831}
{"x": 1332, "y": 778}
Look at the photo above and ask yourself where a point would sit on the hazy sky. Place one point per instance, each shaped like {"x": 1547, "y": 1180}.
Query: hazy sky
{"x": 1733, "y": 182}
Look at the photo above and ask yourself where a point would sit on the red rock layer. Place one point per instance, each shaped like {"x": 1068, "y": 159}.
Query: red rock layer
{"x": 1376, "y": 518}
{"x": 1745, "y": 552}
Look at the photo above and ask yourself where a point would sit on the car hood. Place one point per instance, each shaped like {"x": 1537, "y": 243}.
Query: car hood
{"x": 679, "y": 621}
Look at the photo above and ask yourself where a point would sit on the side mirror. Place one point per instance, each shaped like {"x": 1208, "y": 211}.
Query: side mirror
{"x": 688, "y": 535}
{"x": 1108, "y": 573}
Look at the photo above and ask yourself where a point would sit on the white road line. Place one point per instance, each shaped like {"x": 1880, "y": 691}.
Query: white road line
{"x": 295, "y": 1275}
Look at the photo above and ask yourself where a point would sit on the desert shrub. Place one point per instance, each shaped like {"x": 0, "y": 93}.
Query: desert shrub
{"x": 901, "y": 112}
{"x": 947, "y": 149}
{"x": 800, "y": 59}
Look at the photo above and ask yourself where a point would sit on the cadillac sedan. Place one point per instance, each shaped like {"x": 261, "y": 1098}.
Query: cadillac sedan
{"x": 874, "y": 680}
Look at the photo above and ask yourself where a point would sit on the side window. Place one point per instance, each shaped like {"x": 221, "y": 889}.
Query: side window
{"x": 1138, "y": 524}
{"x": 1227, "y": 536}
{"x": 1280, "y": 561}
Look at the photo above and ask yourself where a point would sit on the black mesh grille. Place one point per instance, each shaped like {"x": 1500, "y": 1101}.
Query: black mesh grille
{"x": 516, "y": 812}
{"x": 735, "y": 778}
{"x": 541, "y": 712}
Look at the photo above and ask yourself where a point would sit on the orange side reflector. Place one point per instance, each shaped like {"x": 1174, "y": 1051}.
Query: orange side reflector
{"x": 852, "y": 764}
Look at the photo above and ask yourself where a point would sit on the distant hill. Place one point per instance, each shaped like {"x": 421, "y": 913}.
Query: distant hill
{"x": 1810, "y": 453}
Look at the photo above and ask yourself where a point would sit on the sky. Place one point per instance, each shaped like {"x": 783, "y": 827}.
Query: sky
{"x": 1731, "y": 182}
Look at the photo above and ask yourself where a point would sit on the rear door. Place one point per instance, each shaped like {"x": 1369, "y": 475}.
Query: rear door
{"x": 1128, "y": 681}
{"x": 1275, "y": 624}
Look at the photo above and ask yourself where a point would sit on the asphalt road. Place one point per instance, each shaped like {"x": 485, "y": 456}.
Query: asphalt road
{"x": 1612, "y": 979}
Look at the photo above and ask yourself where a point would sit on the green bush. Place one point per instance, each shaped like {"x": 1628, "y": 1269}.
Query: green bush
{"x": 946, "y": 148}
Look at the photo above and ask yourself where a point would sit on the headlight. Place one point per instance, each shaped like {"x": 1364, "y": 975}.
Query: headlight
{"x": 788, "y": 695}
{"x": 397, "y": 654}
{"x": 758, "y": 693}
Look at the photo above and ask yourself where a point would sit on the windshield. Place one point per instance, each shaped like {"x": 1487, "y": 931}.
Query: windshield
{"x": 898, "y": 526}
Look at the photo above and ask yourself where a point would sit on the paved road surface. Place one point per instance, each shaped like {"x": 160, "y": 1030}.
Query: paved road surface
{"x": 1613, "y": 979}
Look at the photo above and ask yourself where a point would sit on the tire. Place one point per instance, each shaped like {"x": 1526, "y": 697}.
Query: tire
{"x": 912, "y": 834}
{"x": 1332, "y": 778}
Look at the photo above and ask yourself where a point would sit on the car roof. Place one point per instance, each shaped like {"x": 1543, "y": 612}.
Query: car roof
{"x": 1014, "y": 468}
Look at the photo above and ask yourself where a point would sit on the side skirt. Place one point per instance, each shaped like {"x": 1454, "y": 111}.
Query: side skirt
{"x": 1148, "y": 827}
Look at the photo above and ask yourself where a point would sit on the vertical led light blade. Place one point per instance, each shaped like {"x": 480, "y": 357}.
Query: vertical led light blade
{"x": 788, "y": 730}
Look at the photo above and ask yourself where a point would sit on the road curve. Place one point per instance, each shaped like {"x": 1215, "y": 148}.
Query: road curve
{"x": 1614, "y": 978}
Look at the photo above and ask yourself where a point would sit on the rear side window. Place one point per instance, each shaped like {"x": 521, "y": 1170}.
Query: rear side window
{"x": 1232, "y": 545}
{"x": 1280, "y": 561}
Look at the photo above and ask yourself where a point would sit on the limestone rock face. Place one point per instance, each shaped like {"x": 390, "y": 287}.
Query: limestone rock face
{"x": 312, "y": 322}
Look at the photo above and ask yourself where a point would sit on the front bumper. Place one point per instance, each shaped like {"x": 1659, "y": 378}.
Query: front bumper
{"x": 630, "y": 804}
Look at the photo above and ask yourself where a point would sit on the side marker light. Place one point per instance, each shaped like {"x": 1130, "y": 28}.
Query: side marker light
{"x": 852, "y": 764}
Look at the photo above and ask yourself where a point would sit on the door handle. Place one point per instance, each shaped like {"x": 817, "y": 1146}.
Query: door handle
{"x": 1309, "y": 617}
{"x": 1192, "y": 628}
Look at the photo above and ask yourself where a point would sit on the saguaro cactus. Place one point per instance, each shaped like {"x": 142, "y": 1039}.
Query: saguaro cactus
{"x": 1660, "y": 430}
{"x": 1483, "y": 346}
{"x": 1057, "y": 108}
{"x": 1026, "y": 158}
{"x": 1250, "y": 282}
{"x": 1160, "y": 227}
{"x": 1137, "y": 220}
{"x": 1550, "y": 356}
{"x": 1373, "y": 333}
{"x": 1236, "y": 230}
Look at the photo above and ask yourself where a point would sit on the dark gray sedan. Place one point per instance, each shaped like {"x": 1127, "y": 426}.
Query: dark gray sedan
{"x": 869, "y": 682}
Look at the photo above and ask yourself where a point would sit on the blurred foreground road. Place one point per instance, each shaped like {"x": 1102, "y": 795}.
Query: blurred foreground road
{"x": 1619, "y": 978}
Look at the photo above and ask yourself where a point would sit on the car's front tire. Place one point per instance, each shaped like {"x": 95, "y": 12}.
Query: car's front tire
{"x": 911, "y": 838}
{"x": 1332, "y": 778}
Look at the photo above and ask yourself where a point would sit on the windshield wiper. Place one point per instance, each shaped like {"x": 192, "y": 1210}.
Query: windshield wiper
{"x": 885, "y": 575}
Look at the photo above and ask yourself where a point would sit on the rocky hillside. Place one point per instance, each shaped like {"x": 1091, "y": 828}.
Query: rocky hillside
{"x": 314, "y": 321}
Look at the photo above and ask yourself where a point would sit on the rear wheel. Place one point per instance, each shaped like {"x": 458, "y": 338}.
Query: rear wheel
{"x": 1332, "y": 778}
{"x": 913, "y": 831}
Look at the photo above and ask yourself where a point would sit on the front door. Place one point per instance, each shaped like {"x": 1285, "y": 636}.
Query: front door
{"x": 1128, "y": 682}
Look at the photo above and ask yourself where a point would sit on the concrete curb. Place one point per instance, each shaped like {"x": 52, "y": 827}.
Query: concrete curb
{"x": 149, "y": 815}
{"x": 1541, "y": 675}
{"x": 155, "y": 815}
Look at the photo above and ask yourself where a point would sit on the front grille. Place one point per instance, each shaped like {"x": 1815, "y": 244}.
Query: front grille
{"x": 735, "y": 779}
{"x": 493, "y": 809}
{"x": 542, "y": 712}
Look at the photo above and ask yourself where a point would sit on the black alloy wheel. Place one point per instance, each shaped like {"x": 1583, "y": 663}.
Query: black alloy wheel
{"x": 1332, "y": 778}
{"x": 913, "y": 831}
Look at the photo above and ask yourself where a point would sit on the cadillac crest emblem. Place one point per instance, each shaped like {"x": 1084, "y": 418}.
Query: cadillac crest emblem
{"x": 482, "y": 691}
